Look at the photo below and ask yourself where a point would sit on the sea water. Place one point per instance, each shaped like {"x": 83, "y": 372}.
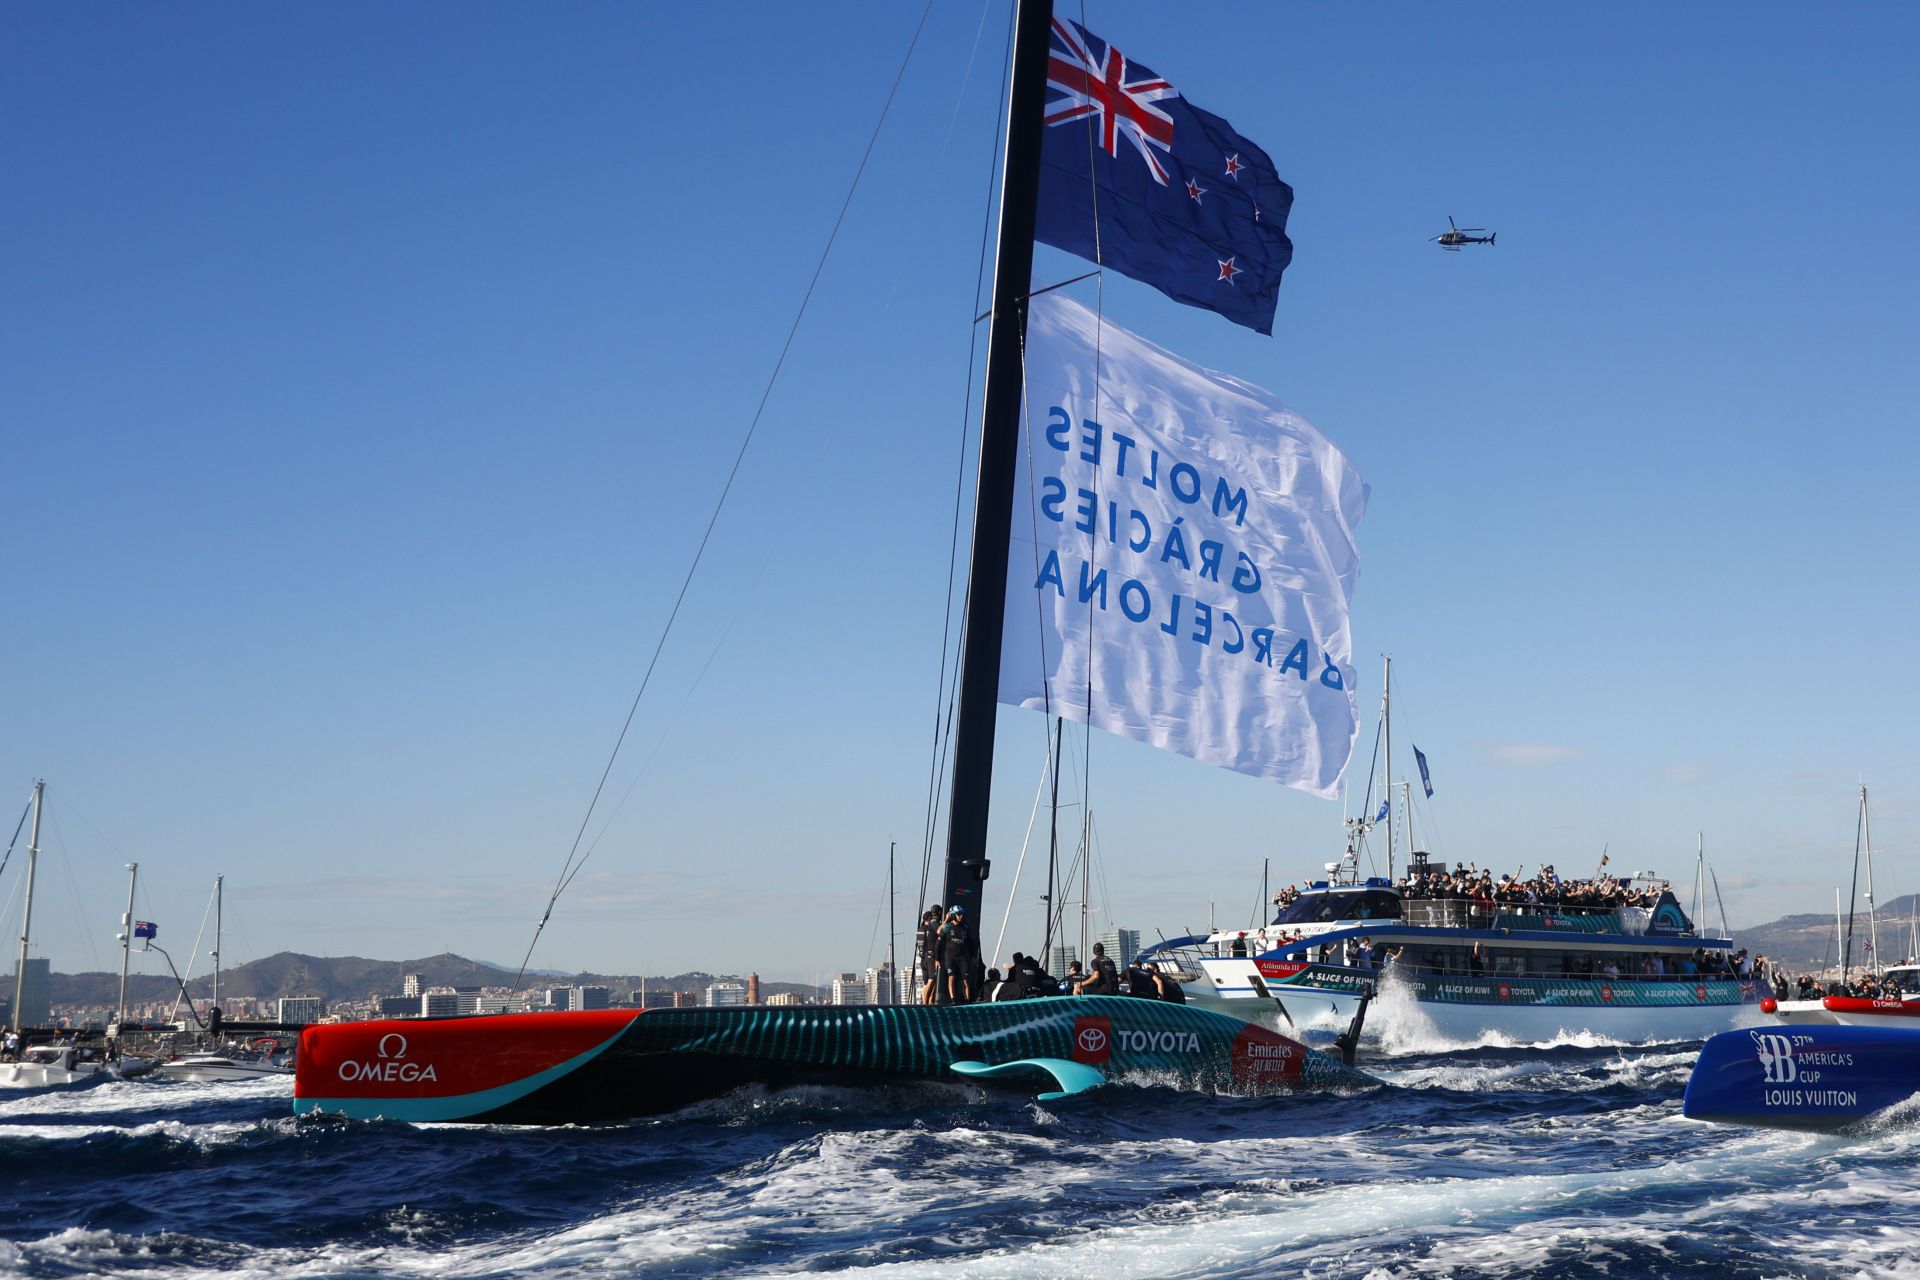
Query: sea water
{"x": 1492, "y": 1161}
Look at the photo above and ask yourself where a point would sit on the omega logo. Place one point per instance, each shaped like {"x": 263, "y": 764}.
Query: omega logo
{"x": 389, "y": 1069}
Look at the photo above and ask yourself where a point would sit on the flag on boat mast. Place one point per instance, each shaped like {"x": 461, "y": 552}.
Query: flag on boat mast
{"x": 1135, "y": 177}
{"x": 145, "y": 929}
{"x": 1426, "y": 779}
{"x": 1183, "y": 558}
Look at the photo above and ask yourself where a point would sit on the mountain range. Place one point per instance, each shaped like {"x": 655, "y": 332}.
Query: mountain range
{"x": 336, "y": 978}
{"x": 1796, "y": 941}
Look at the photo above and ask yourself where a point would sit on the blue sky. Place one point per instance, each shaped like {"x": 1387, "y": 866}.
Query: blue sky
{"x": 367, "y": 374}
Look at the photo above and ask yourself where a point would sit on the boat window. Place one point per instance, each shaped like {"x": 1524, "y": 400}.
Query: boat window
{"x": 1357, "y": 904}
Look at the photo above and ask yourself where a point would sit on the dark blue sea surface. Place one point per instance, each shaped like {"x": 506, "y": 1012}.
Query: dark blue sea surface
{"x": 1570, "y": 1160}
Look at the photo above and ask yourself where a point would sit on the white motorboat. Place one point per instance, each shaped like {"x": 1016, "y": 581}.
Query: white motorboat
{"x": 205, "y": 1067}
{"x": 51, "y": 1066}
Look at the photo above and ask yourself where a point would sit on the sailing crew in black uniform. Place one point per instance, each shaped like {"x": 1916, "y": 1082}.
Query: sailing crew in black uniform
{"x": 1103, "y": 981}
{"x": 956, "y": 955}
{"x": 1140, "y": 981}
{"x": 930, "y": 952}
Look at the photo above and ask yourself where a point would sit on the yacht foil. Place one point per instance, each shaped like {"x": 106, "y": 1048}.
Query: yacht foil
{"x": 602, "y": 1065}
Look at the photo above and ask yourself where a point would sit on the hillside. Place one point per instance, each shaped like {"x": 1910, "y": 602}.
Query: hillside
{"x": 1806, "y": 941}
{"x": 354, "y": 978}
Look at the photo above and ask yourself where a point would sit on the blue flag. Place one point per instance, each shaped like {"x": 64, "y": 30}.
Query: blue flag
{"x": 1184, "y": 203}
{"x": 145, "y": 929}
{"x": 1426, "y": 779}
{"x": 1382, "y": 815}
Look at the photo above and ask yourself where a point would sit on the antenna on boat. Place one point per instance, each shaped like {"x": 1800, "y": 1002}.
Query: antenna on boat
{"x": 978, "y": 704}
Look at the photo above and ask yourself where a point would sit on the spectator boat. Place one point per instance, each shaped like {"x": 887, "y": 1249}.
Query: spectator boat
{"x": 1610, "y": 957}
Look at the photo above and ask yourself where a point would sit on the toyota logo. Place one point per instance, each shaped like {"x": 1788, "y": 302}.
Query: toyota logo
{"x": 1091, "y": 1040}
{"x": 392, "y": 1045}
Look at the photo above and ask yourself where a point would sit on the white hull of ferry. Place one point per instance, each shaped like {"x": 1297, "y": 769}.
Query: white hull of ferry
{"x": 1398, "y": 1015}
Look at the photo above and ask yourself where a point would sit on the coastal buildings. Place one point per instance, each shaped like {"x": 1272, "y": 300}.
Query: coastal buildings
{"x": 35, "y": 984}
{"x": 299, "y": 1009}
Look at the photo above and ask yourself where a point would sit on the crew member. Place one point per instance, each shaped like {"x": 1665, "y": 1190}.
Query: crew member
{"x": 956, "y": 956}
{"x": 930, "y": 952}
{"x": 1103, "y": 980}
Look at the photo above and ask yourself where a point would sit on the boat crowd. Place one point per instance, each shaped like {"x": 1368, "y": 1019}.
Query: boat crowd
{"x": 1545, "y": 889}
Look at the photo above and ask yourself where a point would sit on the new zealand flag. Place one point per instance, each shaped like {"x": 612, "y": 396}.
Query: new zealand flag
{"x": 1134, "y": 176}
{"x": 145, "y": 929}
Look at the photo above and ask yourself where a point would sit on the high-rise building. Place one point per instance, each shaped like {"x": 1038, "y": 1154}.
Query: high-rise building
{"x": 589, "y": 998}
{"x": 399, "y": 1006}
{"x": 726, "y": 993}
{"x": 299, "y": 1009}
{"x": 850, "y": 988}
{"x": 880, "y": 986}
{"x": 685, "y": 1000}
{"x": 1060, "y": 958}
{"x": 410, "y": 984}
{"x": 1122, "y": 945}
{"x": 36, "y": 994}
{"x": 439, "y": 1004}
{"x": 781, "y": 999}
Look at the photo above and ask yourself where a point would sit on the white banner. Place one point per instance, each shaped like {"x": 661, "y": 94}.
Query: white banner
{"x": 1183, "y": 558}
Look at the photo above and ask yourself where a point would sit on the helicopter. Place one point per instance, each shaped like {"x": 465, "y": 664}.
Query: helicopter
{"x": 1457, "y": 235}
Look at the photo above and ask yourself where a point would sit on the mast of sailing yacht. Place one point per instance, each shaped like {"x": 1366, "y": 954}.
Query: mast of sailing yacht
{"x": 126, "y": 945}
{"x": 218, "y": 881}
{"x": 979, "y": 694}
{"x": 26, "y": 915}
{"x": 1386, "y": 722}
{"x": 1873, "y": 930}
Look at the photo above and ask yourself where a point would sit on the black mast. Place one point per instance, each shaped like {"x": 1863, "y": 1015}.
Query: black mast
{"x": 999, "y": 452}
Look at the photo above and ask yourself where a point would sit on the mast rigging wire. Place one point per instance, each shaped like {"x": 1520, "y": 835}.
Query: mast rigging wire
{"x": 575, "y": 860}
{"x": 17, "y": 828}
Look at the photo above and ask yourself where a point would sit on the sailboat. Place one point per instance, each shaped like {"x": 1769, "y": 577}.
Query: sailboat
{"x": 1896, "y": 1001}
{"x": 214, "y": 1061}
{"x": 61, "y": 1059}
{"x": 611, "y": 1064}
